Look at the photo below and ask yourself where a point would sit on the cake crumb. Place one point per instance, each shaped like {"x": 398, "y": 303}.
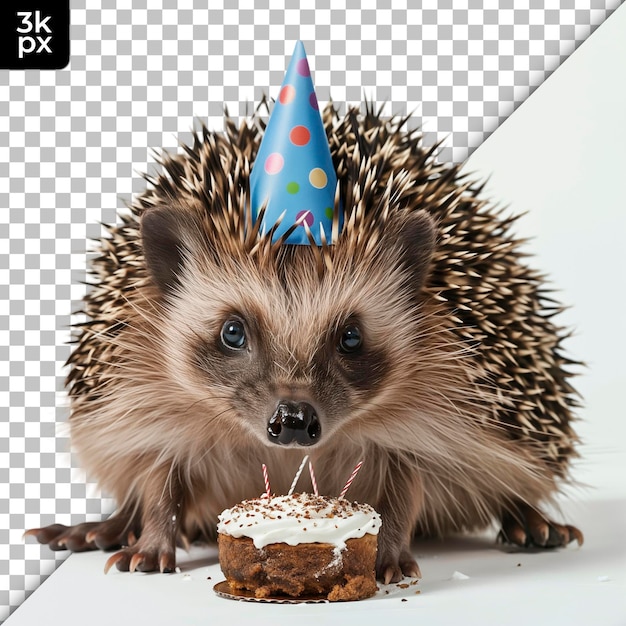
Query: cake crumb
{"x": 459, "y": 576}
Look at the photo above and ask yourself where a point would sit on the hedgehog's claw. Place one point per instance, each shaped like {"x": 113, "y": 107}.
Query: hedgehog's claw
{"x": 392, "y": 574}
{"x": 48, "y": 534}
{"x": 141, "y": 561}
{"x": 576, "y": 534}
{"x": 527, "y": 528}
{"x": 143, "y": 558}
{"x": 120, "y": 560}
{"x": 167, "y": 564}
{"x": 512, "y": 533}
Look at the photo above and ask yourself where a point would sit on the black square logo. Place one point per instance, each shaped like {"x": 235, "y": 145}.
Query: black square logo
{"x": 34, "y": 35}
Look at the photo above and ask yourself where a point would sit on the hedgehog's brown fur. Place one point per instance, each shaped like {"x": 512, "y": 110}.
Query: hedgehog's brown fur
{"x": 492, "y": 379}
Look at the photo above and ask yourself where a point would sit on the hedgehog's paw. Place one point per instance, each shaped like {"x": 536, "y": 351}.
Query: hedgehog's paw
{"x": 392, "y": 568}
{"x": 107, "y": 535}
{"x": 144, "y": 556}
{"x": 528, "y": 528}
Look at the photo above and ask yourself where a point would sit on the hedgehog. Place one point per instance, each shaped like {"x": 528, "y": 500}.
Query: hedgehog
{"x": 420, "y": 341}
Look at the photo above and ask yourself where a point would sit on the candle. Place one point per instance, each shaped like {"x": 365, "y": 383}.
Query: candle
{"x": 295, "y": 479}
{"x": 313, "y": 481}
{"x": 268, "y": 491}
{"x": 355, "y": 471}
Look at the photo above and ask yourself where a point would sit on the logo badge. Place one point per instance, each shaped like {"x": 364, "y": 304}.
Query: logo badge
{"x": 34, "y": 35}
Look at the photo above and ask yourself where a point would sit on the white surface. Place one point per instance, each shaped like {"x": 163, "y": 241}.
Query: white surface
{"x": 561, "y": 157}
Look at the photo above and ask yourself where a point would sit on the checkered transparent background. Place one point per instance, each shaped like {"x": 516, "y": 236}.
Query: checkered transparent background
{"x": 72, "y": 142}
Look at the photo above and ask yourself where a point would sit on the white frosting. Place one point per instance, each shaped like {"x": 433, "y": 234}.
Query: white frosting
{"x": 299, "y": 518}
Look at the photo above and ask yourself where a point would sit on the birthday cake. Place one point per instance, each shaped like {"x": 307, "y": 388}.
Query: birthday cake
{"x": 300, "y": 546}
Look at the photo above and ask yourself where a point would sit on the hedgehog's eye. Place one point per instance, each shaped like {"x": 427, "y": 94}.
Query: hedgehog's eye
{"x": 350, "y": 340}
{"x": 233, "y": 334}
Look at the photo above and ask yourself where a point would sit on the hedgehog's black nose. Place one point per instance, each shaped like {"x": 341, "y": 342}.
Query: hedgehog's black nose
{"x": 294, "y": 421}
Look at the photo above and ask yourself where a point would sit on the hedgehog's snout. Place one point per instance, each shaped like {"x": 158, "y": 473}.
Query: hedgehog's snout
{"x": 294, "y": 422}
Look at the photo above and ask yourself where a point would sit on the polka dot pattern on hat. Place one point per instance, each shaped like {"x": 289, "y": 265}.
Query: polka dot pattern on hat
{"x": 305, "y": 217}
{"x": 287, "y": 94}
{"x": 274, "y": 163}
{"x": 299, "y": 135}
{"x": 318, "y": 178}
{"x": 303, "y": 67}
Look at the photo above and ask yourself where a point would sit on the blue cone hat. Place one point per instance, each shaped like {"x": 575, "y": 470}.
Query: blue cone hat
{"x": 293, "y": 174}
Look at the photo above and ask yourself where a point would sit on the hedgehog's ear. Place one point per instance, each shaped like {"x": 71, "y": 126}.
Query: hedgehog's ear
{"x": 417, "y": 241}
{"x": 168, "y": 237}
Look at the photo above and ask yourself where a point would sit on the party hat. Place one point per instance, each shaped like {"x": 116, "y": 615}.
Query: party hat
{"x": 293, "y": 175}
